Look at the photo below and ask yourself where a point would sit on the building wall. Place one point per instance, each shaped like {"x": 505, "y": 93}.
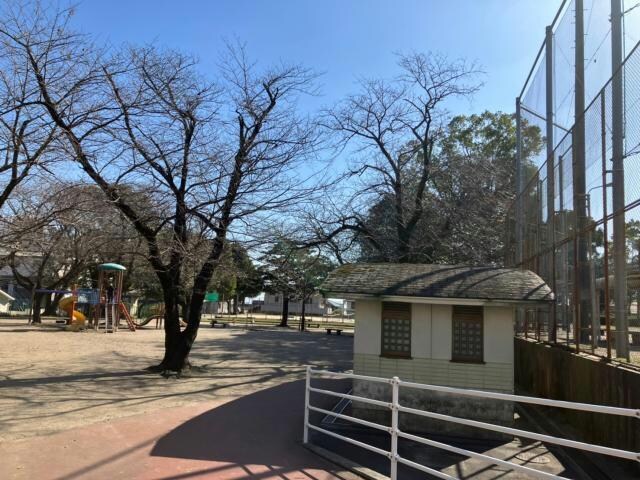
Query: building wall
{"x": 273, "y": 304}
{"x": 431, "y": 345}
{"x": 430, "y": 363}
{"x": 214, "y": 308}
{"x": 21, "y": 295}
{"x": 4, "y": 305}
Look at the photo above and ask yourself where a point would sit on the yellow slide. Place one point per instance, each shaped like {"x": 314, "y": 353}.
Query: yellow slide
{"x": 78, "y": 317}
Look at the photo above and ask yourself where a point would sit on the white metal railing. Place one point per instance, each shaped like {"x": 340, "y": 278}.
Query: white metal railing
{"x": 395, "y": 407}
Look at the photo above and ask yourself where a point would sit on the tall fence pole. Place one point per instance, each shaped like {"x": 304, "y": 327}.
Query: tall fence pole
{"x": 551, "y": 234}
{"x": 579, "y": 180}
{"x": 617, "y": 167}
{"x": 605, "y": 225}
{"x": 519, "y": 200}
{"x": 519, "y": 185}
{"x": 564, "y": 258}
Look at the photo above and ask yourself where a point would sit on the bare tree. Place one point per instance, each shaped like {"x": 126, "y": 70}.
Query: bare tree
{"x": 213, "y": 155}
{"x": 392, "y": 130}
{"x": 27, "y": 135}
{"x": 51, "y": 235}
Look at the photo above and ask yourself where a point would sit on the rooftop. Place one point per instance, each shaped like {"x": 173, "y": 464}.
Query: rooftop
{"x": 437, "y": 281}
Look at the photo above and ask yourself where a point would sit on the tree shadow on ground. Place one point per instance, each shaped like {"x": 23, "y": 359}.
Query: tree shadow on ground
{"x": 278, "y": 347}
{"x": 229, "y": 366}
{"x": 263, "y": 428}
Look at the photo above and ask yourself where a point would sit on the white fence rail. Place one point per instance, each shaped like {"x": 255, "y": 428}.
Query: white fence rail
{"x": 395, "y": 407}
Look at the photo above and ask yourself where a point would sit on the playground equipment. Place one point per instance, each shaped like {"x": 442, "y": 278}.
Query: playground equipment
{"x": 144, "y": 322}
{"x": 109, "y": 308}
{"x": 155, "y": 312}
{"x": 103, "y": 306}
{"x": 68, "y": 304}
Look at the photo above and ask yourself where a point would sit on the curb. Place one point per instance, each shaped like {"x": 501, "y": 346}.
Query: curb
{"x": 358, "y": 471}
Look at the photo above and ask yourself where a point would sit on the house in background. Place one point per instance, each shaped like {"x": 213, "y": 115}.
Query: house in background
{"x": 5, "y": 301}
{"x": 215, "y": 308}
{"x": 436, "y": 324}
{"x": 26, "y": 265}
{"x": 315, "y": 305}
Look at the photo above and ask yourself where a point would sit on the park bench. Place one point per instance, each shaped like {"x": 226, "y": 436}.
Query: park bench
{"x": 338, "y": 331}
{"x": 215, "y": 322}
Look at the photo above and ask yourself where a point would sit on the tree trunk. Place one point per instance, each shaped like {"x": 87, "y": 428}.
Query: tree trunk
{"x": 235, "y": 304}
{"x": 184, "y": 308}
{"x": 37, "y": 300}
{"x": 302, "y": 319}
{"x": 178, "y": 343}
{"x": 51, "y": 307}
{"x": 176, "y": 350}
{"x": 284, "y": 322}
{"x": 47, "y": 305}
{"x": 403, "y": 246}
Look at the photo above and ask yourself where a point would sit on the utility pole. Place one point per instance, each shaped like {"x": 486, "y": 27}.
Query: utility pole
{"x": 551, "y": 229}
{"x": 582, "y": 307}
{"x": 617, "y": 177}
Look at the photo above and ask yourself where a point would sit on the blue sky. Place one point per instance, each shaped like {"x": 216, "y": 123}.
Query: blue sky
{"x": 344, "y": 39}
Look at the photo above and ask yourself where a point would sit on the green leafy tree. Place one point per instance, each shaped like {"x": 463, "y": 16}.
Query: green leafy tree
{"x": 295, "y": 273}
{"x": 394, "y": 127}
{"x": 471, "y": 188}
{"x": 248, "y": 278}
{"x": 237, "y": 276}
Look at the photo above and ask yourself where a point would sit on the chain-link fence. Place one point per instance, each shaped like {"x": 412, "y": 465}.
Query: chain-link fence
{"x": 576, "y": 220}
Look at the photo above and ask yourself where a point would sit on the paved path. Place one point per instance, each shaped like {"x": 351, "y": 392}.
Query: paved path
{"x": 255, "y": 436}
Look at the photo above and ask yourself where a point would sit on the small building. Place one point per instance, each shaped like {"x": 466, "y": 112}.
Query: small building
{"x": 436, "y": 324}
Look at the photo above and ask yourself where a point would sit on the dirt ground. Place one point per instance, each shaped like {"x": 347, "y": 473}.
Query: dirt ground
{"x": 52, "y": 380}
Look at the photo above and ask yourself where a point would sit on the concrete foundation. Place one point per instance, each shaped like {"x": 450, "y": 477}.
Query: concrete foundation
{"x": 484, "y": 410}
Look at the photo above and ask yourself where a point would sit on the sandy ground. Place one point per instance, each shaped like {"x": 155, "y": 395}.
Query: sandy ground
{"x": 52, "y": 380}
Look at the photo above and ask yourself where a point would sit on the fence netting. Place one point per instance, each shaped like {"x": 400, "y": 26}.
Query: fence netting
{"x": 566, "y": 228}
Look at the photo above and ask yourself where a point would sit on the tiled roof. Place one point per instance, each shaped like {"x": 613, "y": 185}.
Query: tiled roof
{"x": 439, "y": 281}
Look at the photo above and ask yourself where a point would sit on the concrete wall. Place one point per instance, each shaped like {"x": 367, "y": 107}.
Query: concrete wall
{"x": 552, "y": 372}
{"x": 430, "y": 362}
